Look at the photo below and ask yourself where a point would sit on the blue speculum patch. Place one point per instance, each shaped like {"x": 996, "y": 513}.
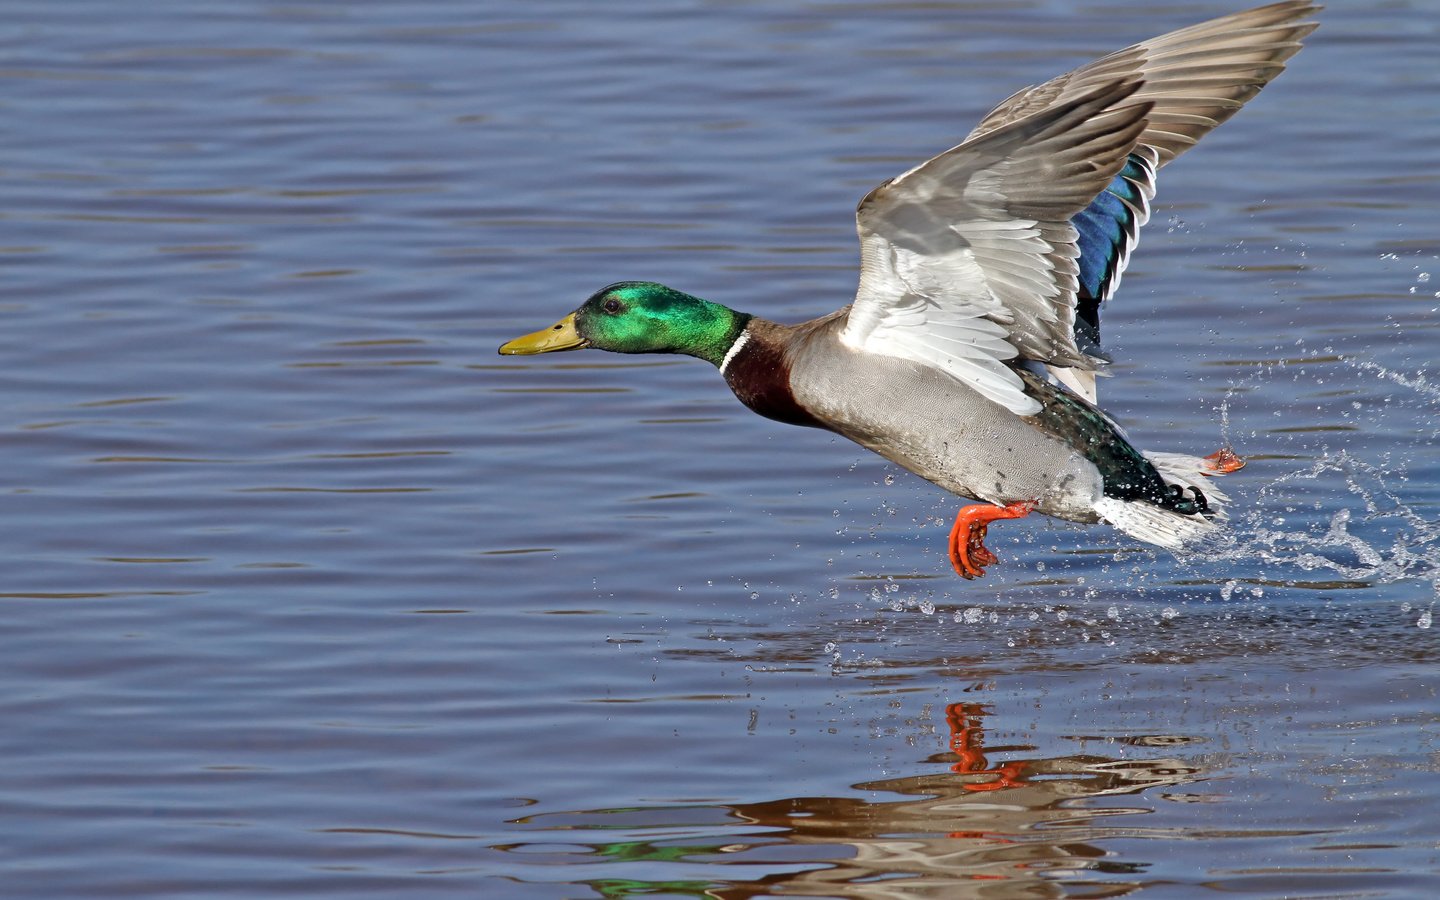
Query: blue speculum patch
{"x": 1108, "y": 226}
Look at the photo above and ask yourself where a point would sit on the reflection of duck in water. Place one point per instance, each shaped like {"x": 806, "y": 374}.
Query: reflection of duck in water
{"x": 971, "y": 832}
{"x": 967, "y": 742}
{"x": 970, "y": 352}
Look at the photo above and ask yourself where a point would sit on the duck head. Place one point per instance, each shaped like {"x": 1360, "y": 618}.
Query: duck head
{"x": 639, "y": 317}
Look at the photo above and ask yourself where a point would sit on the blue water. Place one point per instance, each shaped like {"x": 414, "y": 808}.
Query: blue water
{"x": 307, "y": 592}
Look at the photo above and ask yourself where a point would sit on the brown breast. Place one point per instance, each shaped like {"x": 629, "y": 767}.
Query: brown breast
{"x": 759, "y": 374}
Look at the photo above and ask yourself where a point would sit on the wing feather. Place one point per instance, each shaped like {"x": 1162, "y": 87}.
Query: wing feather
{"x": 969, "y": 259}
{"x": 1197, "y": 77}
{"x": 973, "y": 260}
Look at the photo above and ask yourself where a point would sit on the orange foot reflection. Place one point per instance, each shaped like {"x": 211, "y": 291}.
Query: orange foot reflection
{"x": 967, "y": 737}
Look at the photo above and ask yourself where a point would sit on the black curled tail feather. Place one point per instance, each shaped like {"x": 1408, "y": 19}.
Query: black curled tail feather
{"x": 1125, "y": 472}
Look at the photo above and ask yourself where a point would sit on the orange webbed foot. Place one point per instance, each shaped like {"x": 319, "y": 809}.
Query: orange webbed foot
{"x": 1223, "y": 462}
{"x": 968, "y": 553}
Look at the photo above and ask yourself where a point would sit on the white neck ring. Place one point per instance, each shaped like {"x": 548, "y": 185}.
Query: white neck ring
{"x": 740, "y": 341}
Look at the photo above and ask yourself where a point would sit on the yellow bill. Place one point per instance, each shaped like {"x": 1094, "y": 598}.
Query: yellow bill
{"x": 560, "y": 336}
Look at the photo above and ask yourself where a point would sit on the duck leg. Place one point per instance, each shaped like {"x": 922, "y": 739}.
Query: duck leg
{"x": 968, "y": 553}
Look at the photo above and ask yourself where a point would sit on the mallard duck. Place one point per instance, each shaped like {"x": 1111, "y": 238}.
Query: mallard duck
{"x": 970, "y": 351}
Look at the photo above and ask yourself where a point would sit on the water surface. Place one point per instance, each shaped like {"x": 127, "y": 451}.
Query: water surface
{"x": 309, "y": 593}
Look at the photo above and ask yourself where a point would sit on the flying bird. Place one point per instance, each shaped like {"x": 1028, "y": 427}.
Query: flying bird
{"x": 969, "y": 353}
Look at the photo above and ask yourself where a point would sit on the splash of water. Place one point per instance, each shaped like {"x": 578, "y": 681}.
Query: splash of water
{"x": 1417, "y": 382}
{"x": 1414, "y": 542}
{"x": 1379, "y": 541}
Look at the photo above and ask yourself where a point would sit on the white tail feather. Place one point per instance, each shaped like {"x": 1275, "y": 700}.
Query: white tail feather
{"x": 1154, "y": 525}
{"x": 1169, "y": 529}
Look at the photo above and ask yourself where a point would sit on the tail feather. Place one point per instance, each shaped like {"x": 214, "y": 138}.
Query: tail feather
{"x": 1172, "y": 530}
{"x": 1152, "y": 524}
{"x": 1191, "y": 472}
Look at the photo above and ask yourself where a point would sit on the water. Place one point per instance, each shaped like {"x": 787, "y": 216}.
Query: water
{"x": 309, "y": 593}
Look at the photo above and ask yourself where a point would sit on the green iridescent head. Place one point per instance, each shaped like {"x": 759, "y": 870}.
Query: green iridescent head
{"x": 640, "y": 317}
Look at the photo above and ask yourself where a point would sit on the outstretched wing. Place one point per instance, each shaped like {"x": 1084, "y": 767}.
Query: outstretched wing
{"x": 1005, "y": 246}
{"x": 1195, "y": 78}
{"x": 970, "y": 259}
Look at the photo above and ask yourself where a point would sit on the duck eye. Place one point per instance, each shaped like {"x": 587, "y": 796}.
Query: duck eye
{"x": 612, "y": 305}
